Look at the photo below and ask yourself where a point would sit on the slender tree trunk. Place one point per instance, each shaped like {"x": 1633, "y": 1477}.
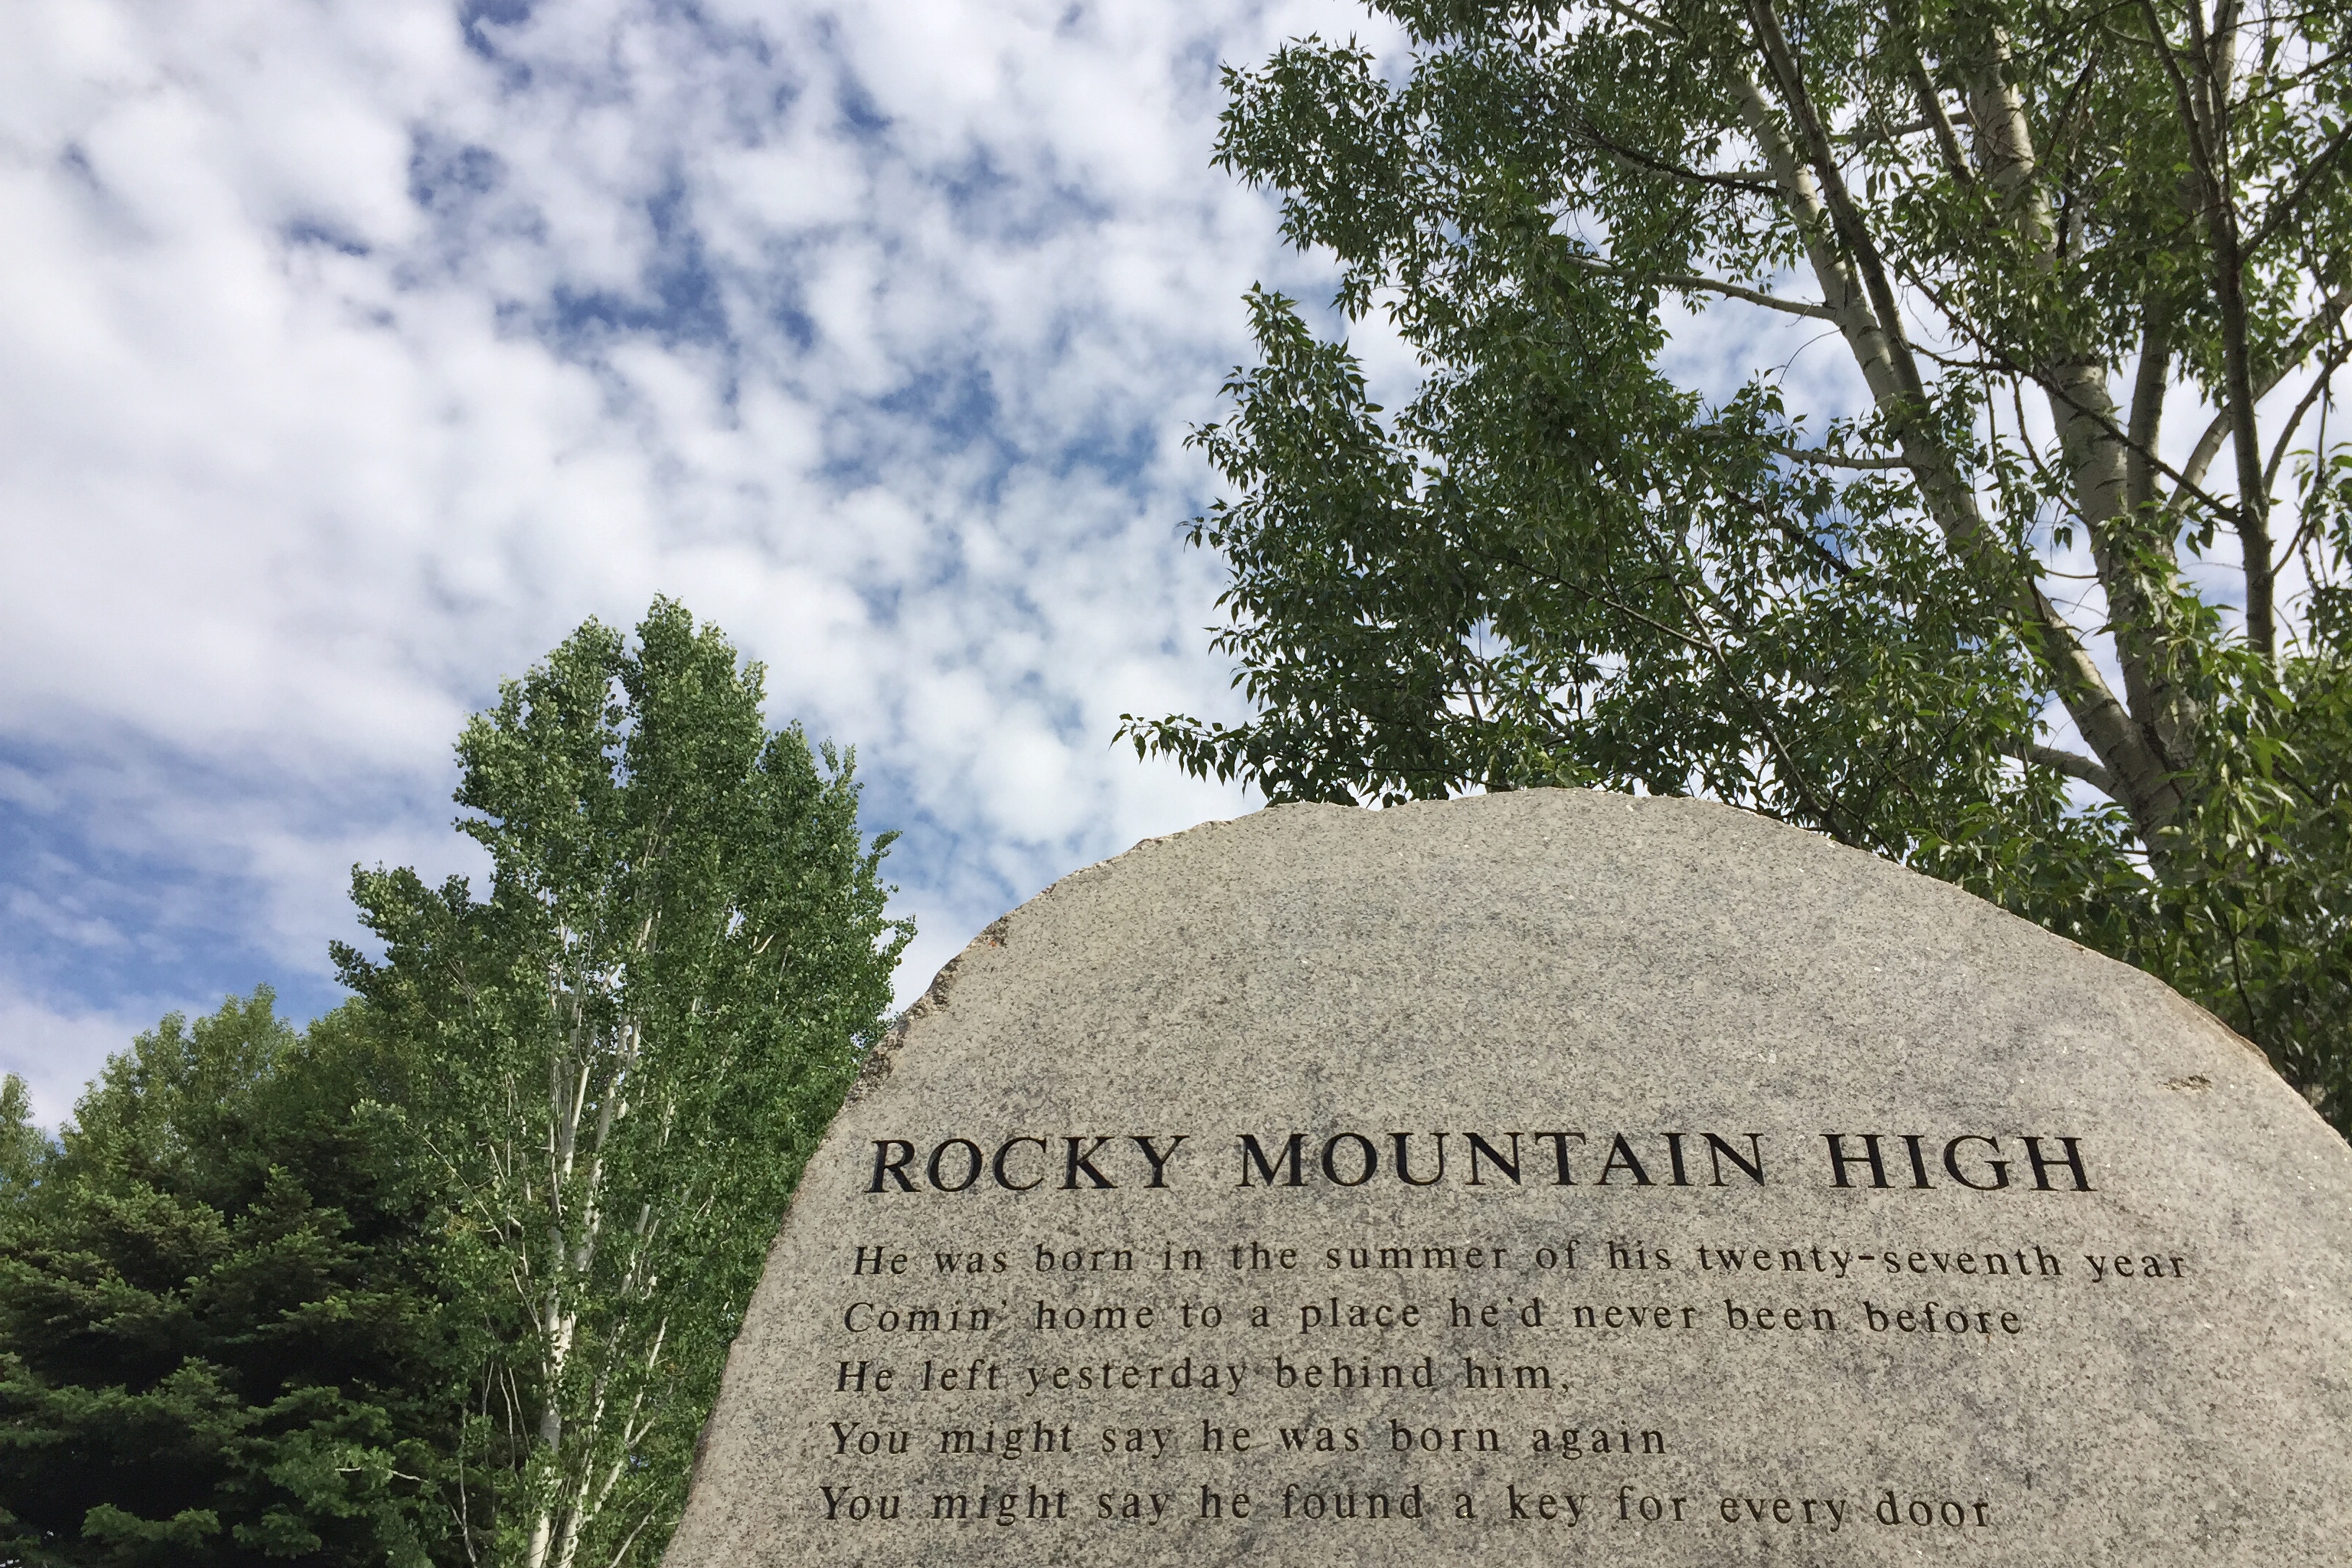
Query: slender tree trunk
{"x": 1854, "y": 286}
{"x": 2217, "y": 56}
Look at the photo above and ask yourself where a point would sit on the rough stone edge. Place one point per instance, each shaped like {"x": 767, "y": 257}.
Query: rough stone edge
{"x": 876, "y": 1068}
{"x": 2165, "y": 995}
{"x": 883, "y": 1058}
{"x": 880, "y": 1061}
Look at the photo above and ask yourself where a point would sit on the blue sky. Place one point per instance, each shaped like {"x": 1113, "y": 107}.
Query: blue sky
{"x": 356, "y": 351}
{"x": 353, "y": 352}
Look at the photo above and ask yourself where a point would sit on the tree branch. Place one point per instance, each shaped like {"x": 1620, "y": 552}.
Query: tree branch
{"x": 1838, "y": 459}
{"x": 1870, "y": 331}
{"x": 1754, "y": 297}
{"x": 1693, "y": 283}
{"x": 1947, "y": 138}
{"x": 1813, "y": 188}
{"x": 1937, "y": 119}
{"x": 2283, "y": 210}
{"x": 2154, "y": 373}
{"x": 2311, "y": 394}
{"x": 1644, "y": 163}
{"x": 2073, "y": 764}
{"x": 2208, "y": 445}
{"x": 2203, "y": 105}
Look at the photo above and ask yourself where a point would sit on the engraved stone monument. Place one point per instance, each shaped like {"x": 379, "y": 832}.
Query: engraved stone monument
{"x": 1550, "y": 1177}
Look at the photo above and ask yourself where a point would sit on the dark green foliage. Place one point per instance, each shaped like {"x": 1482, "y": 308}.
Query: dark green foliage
{"x": 1989, "y": 645}
{"x": 232, "y": 1327}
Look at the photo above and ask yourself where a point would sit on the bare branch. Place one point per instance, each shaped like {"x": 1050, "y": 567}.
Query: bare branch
{"x": 1752, "y": 296}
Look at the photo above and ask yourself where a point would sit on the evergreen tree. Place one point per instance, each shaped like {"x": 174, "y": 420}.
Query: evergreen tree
{"x": 232, "y": 1323}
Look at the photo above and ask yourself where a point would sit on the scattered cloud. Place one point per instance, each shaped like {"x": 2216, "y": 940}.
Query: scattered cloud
{"x": 353, "y": 354}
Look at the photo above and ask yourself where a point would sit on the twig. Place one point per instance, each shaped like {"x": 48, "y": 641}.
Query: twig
{"x": 1838, "y": 459}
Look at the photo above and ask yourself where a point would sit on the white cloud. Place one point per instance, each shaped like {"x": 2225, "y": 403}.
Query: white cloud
{"x": 58, "y": 1053}
{"x": 346, "y": 365}
{"x": 348, "y": 360}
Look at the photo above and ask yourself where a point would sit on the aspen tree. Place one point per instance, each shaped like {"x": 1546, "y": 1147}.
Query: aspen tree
{"x": 2052, "y": 604}
{"x": 645, "y": 1028}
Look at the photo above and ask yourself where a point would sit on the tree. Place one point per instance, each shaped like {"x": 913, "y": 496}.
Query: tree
{"x": 21, "y": 1147}
{"x": 225, "y": 1330}
{"x": 642, "y": 1031}
{"x": 2056, "y": 609}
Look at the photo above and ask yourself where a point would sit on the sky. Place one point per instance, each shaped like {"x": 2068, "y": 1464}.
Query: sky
{"x": 352, "y": 352}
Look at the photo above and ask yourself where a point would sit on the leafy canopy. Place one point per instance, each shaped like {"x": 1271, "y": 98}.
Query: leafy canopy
{"x": 641, "y": 1034}
{"x": 450, "y": 1275}
{"x": 2056, "y": 607}
{"x": 231, "y": 1323}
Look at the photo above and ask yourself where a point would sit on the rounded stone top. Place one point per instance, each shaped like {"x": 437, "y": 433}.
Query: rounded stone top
{"x": 1541, "y": 1176}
